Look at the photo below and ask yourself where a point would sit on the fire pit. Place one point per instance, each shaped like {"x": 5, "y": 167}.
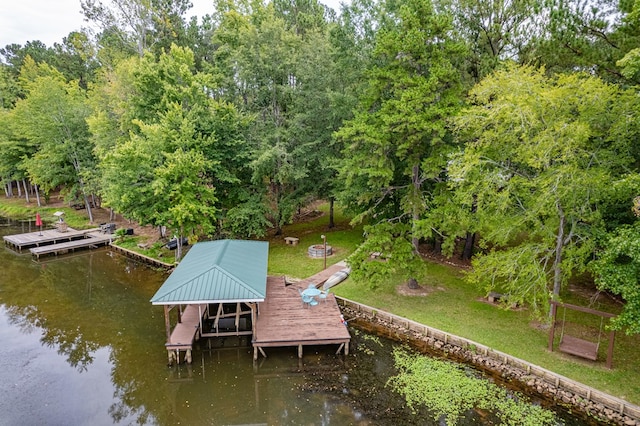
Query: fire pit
{"x": 317, "y": 250}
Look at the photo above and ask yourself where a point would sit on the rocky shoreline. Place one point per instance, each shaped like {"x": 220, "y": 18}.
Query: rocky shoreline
{"x": 520, "y": 378}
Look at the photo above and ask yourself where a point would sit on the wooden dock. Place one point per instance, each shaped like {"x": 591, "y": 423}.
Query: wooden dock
{"x": 46, "y": 237}
{"x": 284, "y": 320}
{"x": 52, "y": 241}
{"x": 90, "y": 240}
{"x": 185, "y": 333}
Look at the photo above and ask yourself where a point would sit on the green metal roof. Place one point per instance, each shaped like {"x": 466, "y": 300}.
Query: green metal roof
{"x": 218, "y": 271}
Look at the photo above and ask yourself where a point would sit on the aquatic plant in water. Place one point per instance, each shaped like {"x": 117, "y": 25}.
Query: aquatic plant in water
{"x": 446, "y": 389}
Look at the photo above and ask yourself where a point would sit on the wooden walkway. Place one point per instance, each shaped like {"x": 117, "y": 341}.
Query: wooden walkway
{"x": 319, "y": 278}
{"x": 283, "y": 320}
{"x": 46, "y": 237}
{"x": 185, "y": 333}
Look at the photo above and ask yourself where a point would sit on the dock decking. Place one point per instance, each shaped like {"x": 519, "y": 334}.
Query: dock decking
{"x": 185, "y": 333}
{"x": 53, "y": 241}
{"x": 47, "y": 236}
{"x": 90, "y": 240}
{"x": 283, "y": 320}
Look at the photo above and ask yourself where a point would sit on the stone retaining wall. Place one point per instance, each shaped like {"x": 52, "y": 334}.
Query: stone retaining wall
{"x": 548, "y": 384}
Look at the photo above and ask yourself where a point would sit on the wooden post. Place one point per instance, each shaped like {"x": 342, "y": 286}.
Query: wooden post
{"x": 612, "y": 338}
{"x": 167, "y": 322}
{"x": 552, "y": 330}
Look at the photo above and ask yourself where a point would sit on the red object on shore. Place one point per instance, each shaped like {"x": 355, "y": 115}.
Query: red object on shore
{"x": 38, "y": 220}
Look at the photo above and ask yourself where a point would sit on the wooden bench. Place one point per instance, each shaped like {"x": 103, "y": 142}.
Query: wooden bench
{"x": 579, "y": 347}
{"x": 291, "y": 240}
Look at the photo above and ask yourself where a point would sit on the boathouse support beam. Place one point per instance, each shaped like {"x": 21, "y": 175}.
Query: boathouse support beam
{"x": 167, "y": 324}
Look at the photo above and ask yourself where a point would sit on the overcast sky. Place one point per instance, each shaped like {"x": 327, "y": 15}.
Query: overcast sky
{"x": 51, "y": 20}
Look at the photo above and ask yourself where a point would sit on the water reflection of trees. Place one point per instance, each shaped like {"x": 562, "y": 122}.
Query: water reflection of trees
{"x": 83, "y": 303}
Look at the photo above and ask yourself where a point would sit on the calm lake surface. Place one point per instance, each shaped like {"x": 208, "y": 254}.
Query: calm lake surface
{"x": 82, "y": 345}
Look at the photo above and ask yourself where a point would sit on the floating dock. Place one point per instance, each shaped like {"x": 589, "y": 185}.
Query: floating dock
{"x": 52, "y": 241}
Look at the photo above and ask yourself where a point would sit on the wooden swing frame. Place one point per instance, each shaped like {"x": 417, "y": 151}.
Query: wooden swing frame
{"x": 574, "y": 345}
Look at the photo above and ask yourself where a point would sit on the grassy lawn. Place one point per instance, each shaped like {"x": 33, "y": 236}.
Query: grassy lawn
{"x": 293, "y": 261}
{"x": 16, "y": 208}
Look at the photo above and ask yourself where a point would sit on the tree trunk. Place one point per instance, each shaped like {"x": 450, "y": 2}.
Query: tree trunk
{"x": 413, "y": 284}
{"x": 331, "y": 203}
{"x": 26, "y": 190}
{"x": 437, "y": 244}
{"x": 179, "y": 247}
{"x": 416, "y": 213}
{"x": 557, "y": 270}
{"x": 87, "y": 205}
{"x": 37, "y": 191}
{"x": 468, "y": 245}
{"x": 10, "y": 189}
{"x": 19, "y": 189}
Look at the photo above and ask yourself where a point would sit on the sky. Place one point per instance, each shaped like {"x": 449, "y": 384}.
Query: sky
{"x": 51, "y": 20}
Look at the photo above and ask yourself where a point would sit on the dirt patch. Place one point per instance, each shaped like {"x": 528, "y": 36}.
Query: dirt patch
{"x": 427, "y": 253}
{"x": 405, "y": 290}
{"x": 537, "y": 325}
{"x": 148, "y": 234}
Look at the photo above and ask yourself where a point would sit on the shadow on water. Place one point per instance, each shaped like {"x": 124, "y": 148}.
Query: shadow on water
{"x": 82, "y": 344}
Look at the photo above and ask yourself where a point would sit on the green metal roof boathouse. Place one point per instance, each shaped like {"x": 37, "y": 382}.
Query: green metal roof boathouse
{"x": 216, "y": 288}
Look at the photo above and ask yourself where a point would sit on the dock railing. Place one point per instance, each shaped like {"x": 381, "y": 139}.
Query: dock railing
{"x": 589, "y": 394}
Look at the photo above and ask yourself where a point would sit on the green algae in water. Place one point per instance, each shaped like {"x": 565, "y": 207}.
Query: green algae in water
{"x": 449, "y": 391}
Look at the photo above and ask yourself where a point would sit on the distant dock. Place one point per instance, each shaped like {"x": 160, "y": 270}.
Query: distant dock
{"x": 52, "y": 241}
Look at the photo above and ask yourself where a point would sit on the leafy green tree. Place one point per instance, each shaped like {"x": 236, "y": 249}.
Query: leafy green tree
{"x": 540, "y": 158}
{"x": 9, "y": 88}
{"x": 617, "y": 270}
{"x": 53, "y": 118}
{"x": 396, "y": 141}
{"x": 589, "y": 36}
{"x": 76, "y": 58}
{"x": 258, "y": 57}
{"x": 495, "y": 31}
{"x": 163, "y": 121}
{"x": 135, "y": 26}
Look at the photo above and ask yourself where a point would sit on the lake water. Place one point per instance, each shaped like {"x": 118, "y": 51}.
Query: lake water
{"x": 80, "y": 344}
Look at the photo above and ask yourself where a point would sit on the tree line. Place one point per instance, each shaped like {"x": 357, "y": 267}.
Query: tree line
{"x": 499, "y": 130}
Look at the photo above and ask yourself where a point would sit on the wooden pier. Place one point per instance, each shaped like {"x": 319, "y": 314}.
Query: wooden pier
{"x": 284, "y": 320}
{"x": 52, "y": 241}
{"x": 46, "y": 237}
{"x": 186, "y": 331}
